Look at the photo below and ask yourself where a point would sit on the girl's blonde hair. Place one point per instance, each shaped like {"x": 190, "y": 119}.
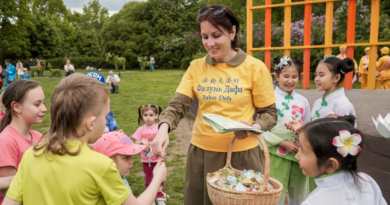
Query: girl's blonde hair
{"x": 74, "y": 98}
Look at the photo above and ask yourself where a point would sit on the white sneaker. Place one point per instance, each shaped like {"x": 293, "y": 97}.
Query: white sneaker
{"x": 160, "y": 201}
{"x": 154, "y": 203}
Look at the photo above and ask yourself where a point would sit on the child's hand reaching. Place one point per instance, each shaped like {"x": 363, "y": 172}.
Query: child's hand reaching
{"x": 160, "y": 171}
{"x": 289, "y": 146}
{"x": 294, "y": 125}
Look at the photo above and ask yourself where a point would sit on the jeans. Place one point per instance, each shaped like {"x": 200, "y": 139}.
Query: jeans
{"x": 152, "y": 67}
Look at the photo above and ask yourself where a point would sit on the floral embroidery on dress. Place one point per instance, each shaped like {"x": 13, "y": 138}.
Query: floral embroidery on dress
{"x": 296, "y": 110}
{"x": 282, "y": 151}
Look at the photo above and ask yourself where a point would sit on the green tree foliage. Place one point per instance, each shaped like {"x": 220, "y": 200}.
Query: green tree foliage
{"x": 13, "y": 23}
{"x": 142, "y": 28}
{"x": 45, "y": 37}
{"x": 49, "y": 7}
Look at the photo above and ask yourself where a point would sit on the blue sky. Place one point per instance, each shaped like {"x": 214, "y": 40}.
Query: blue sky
{"x": 113, "y": 6}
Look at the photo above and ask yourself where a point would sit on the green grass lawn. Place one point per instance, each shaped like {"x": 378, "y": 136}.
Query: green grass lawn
{"x": 138, "y": 88}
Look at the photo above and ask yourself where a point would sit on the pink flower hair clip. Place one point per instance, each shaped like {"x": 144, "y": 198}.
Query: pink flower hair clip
{"x": 347, "y": 143}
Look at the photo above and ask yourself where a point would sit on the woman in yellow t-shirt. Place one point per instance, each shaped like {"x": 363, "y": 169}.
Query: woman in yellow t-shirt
{"x": 227, "y": 82}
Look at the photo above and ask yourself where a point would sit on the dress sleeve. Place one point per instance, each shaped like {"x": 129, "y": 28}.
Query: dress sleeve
{"x": 138, "y": 135}
{"x": 11, "y": 70}
{"x": 111, "y": 187}
{"x": 306, "y": 112}
{"x": 8, "y": 152}
{"x": 361, "y": 65}
{"x": 176, "y": 109}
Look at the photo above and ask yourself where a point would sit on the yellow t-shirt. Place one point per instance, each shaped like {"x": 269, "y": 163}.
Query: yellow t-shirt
{"x": 88, "y": 178}
{"x": 230, "y": 91}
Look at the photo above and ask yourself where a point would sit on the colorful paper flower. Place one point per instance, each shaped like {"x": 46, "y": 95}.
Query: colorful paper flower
{"x": 347, "y": 143}
{"x": 282, "y": 151}
{"x": 383, "y": 125}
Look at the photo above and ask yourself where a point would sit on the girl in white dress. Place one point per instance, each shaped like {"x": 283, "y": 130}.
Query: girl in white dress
{"x": 281, "y": 141}
{"x": 329, "y": 149}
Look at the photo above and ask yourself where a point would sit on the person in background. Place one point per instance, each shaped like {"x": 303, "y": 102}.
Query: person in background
{"x": 363, "y": 68}
{"x": 88, "y": 68}
{"x": 10, "y": 75}
{"x": 39, "y": 66}
{"x": 69, "y": 69}
{"x": 383, "y": 67}
{"x": 31, "y": 62}
{"x": 342, "y": 55}
{"x": 19, "y": 68}
{"x": 114, "y": 81}
{"x": 25, "y": 74}
{"x": 152, "y": 63}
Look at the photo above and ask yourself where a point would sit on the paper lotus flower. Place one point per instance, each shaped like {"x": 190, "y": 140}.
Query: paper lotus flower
{"x": 383, "y": 125}
{"x": 347, "y": 143}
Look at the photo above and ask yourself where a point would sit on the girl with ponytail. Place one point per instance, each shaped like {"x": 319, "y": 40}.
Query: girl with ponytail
{"x": 145, "y": 135}
{"x": 329, "y": 74}
{"x": 24, "y": 106}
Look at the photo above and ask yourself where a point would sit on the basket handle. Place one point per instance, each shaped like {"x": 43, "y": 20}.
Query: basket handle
{"x": 266, "y": 156}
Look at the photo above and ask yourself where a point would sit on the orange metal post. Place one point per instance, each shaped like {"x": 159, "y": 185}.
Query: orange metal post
{"x": 287, "y": 27}
{"x": 249, "y": 27}
{"x": 373, "y": 39}
{"x": 328, "y": 28}
{"x": 350, "y": 39}
{"x": 306, "y": 51}
{"x": 267, "y": 38}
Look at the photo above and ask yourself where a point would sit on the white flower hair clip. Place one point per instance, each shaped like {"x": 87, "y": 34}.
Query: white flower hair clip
{"x": 283, "y": 64}
{"x": 347, "y": 143}
{"x": 327, "y": 56}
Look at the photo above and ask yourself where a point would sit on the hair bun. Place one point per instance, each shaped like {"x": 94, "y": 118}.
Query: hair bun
{"x": 349, "y": 118}
{"x": 300, "y": 62}
{"x": 346, "y": 65}
{"x": 276, "y": 60}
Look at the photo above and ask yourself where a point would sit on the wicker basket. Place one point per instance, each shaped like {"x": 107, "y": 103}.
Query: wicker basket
{"x": 264, "y": 196}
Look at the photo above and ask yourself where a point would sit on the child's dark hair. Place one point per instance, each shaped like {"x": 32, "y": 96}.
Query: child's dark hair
{"x": 338, "y": 66}
{"x": 349, "y": 118}
{"x": 320, "y": 134}
{"x": 298, "y": 63}
{"x": 141, "y": 109}
{"x": 15, "y": 92}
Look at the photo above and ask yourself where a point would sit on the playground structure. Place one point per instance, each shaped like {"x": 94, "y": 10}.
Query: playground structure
{"x": 114, "y": 60}
{"x": 350, "y": 42}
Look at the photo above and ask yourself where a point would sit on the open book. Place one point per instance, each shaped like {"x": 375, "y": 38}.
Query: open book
{"x": 225, "y": 125}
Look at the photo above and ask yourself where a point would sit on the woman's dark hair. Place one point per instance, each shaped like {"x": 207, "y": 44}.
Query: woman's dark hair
{"x": 15, "y": 92}
{"x": 320, "y": 134}
{"x": 298, "y": 63}
{"x": 338, "y": 66}
{"x": 141, "y": 109}
{"x": 8, "y": 61}
{"x": 226, "y": 20}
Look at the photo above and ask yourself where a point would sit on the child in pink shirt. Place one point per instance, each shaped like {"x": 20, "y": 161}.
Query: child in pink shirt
{"x": 23, "y": 101}
{"x": 144, "y": 135}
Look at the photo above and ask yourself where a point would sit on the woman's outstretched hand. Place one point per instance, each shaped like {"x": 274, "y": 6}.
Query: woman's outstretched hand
{"x": 294, "y": 125}
{"x": 240, "y": 135}
{"x": 160, "y": 142}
